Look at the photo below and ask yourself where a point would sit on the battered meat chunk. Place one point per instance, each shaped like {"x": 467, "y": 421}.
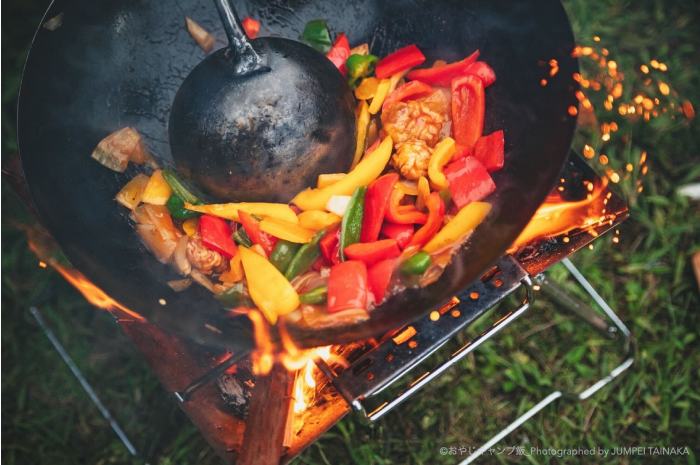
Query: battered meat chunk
{"x": 420, "y": 119}
{"x": 411, "y": 159}
{"x": 203, "y": 259}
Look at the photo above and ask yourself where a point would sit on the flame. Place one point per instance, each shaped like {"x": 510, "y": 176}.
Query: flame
{"x": 93, "y": 294}
{"x": 556, "y": 217}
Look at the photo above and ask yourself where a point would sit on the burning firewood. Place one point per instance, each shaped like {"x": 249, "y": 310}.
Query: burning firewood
{"x": 267, "y": 418}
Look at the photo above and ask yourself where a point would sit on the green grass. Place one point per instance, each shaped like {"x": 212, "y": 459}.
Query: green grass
{"x": 647, "y": 278}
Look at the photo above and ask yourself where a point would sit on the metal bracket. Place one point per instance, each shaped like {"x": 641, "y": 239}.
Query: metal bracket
{"x": 590, "y": 316}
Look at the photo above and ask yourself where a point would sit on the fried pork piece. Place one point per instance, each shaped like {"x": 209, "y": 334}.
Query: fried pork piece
{"x": 205, "y": 260}
{"x": 411, "y": 159}
{"x": 119, "y": 148}
{"x": 420, "y": 119}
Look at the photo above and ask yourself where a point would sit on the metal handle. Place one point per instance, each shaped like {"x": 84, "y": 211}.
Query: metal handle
{"x": 246, "y": 58}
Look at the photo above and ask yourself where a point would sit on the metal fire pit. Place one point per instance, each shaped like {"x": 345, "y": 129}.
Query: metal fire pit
{"x": 197, "y": 377}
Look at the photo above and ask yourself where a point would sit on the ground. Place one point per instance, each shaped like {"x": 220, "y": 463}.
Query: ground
{"x": 647, "y": 277}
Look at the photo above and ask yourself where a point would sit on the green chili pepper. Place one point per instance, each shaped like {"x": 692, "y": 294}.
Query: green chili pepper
{"x": 317, "y": 36}
{"x": 315, "y": 296}
{"x": 305, "y": 257}
{"x": 177, "y": 209}
{"x": 351, "y": 226}
{"x": 417, "y": 264}
{"x": 283, "y": 253}
{"x": 241, "y": 238}
{"x": 179, "y": 187}
{"x": 360, "y": 66}
{"x": 234, "y": 296}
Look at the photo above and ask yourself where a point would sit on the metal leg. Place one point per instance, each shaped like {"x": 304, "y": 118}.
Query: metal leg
{"x": 584, "y": 312}
{"x": 83, "y": 381}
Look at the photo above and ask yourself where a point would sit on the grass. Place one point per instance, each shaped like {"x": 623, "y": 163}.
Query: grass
{"x": 647, "y": 278}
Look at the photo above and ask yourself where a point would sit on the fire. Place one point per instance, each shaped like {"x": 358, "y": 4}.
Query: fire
{"x": 556, "y": 216}
{"x": 93, "y": 294}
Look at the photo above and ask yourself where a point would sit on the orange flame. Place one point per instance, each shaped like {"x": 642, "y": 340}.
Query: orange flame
{"x": 556, "y": 217}
{"x": 43, "y": 248}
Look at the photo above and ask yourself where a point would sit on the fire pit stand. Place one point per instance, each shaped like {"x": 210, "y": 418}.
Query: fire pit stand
{"x": 192, "y": 375}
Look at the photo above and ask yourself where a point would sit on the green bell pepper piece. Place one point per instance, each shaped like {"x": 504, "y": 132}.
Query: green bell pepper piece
{"x": 360, "y": 66}
{"x": 176, "y": 207}
{"x": 417, "y": 264}
{"x": 234, "y": 296}
{"x": 315, "y": 296}
{"x": 305, "y": 256}
{"x": 283, "y": 253}
{"x": 179, "y": 187}
{"x": 317, "y": 36}
{"x": 351, "y": 226}
{"x": 241, "y": 238}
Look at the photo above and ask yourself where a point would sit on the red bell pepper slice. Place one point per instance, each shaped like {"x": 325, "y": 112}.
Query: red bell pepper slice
{"x": 468, "y": 107}
{"x": 257, "y": 235}
{"x": 484, "y": 71}
{"x": 216, "y": 235}
{"x": 373, "y": 252}
{"x": 436, "y": 214}
{"x": 403, "y": 214}
{"x": 489, "y": 151}
{"x": 469, "y": 181}
{"x": 403, "y": 233}
{"x": 410, "y": 90}
{"x": 347, "y": 286}
{"x": 340, "y": 52}
{"x": 251, "y": 27}
{"x": 379, "y": 276}
{"x": 401, "y": 60}
{"x": 443, "y": 75}
{"x": 330, "y": 246}
{"x": 376, "y": 202}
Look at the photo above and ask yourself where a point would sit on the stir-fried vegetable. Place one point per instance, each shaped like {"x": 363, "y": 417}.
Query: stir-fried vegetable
{"x": 179, "y": 187}
{"x": 489, "y": 150}
{"x": 436, "y": 215}
{"x": 230, "y": 211}
{"x": 376, "y": 202}
{"x": 157, "y": 190}
{"x": 131, "y": 193}
{"x": 254, "y": 231}
{"x": 291, "y": 232}
{"x": 340, "y": 52}
{"x": 316, "y": 35}
{"x": 410, "y": 90}
{"x": 119, "y": 148}
{"x": 468, "y": 107}
{"x": 315, "y": 296}
{"x": 216, "y": 235}
{"x": 442, "y": 154}
{"x": 403, "y": 214}
{"x": 361, "y": 132}
{"x": 469, "y": 181}
{"x": 318, "y": 219}
{"x": 200, "y": 35}
{"x": 347, "y": 287}
{"x": 305, "y": 257}
{"x": 379, "y": 277}
{"x": 234, "y": 296}
{"x": 176, "y": 207}
{"x": 443, "y": 75}
{"x": 382, "y": 91}
{"x": 402, "y": 233}
{"x": 373, "y": 252}
{"x": 269, "y": 289}
{"x": 464, "y": 222}
{"x": 401, "y": 60}
{"x": 417, "y": 264}
{"x": 351, "y": 226}
{"x": 369, "y": 168}
{"x": 283, "y": 254}
{"x": 359, "y": 66}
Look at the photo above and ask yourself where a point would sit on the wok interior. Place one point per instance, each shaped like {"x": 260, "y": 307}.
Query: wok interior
{"x": 119, "y": 63}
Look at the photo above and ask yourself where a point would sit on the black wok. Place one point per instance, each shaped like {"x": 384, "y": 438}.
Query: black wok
{"x": 117, "y": 63}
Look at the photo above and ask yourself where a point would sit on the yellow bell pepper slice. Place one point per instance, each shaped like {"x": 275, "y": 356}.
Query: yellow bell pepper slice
{"x": 190, "y": 226}
{"x": 442, "y": 154}
{"x": 235, "y": 271}
{"x": 361, "y": 132}
{"x": 157, "y": 190}
{"x": 367, "y": 88}
{"x": 464, "y": 222}
{"x": 130, "y": 196}
{"x": 318, "y": 219}
{"x": 379, "y": 96}
{"x": 328, "y": 179}
{"x": 423, "y": 192}
{"x": 291, "y": 232}
{"x": 369, "y": 169}
{"x": 271, "y": 292}
{"x": 281, "y": 211}
{"x": 394, "y": 80}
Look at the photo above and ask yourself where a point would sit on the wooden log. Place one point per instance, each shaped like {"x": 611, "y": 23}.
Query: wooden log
{"x": 267, "y": 418}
